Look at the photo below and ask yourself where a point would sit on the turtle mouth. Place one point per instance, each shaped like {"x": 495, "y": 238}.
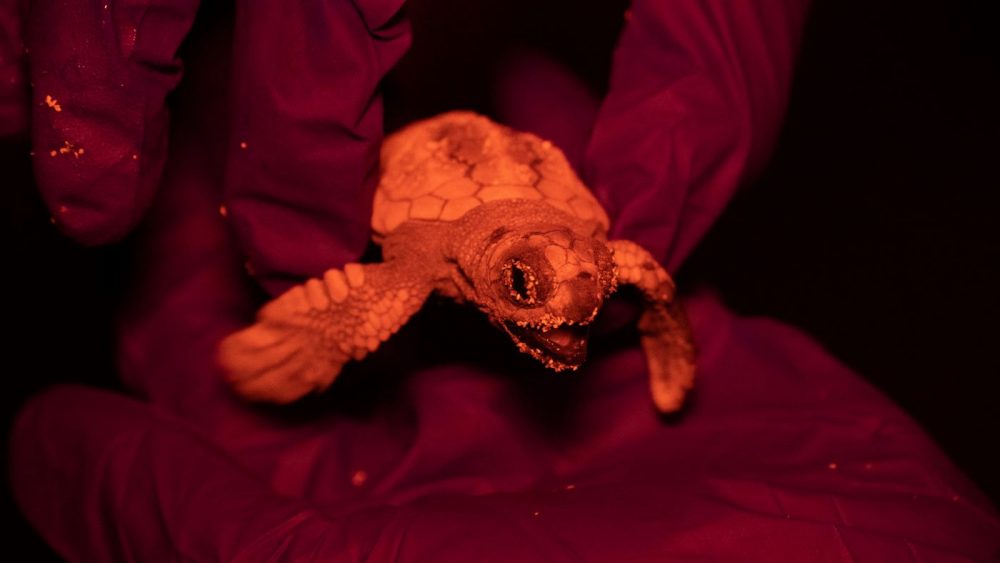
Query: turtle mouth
{"x": 559, "y": 346}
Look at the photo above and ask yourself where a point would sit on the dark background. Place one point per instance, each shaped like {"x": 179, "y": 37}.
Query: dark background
{"x": 873, "y": 228}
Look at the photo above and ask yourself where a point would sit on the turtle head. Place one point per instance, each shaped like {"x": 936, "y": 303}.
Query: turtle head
{"x": 546, "y": 285}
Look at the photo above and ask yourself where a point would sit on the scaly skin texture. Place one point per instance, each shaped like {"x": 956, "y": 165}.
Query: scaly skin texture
{"x": 302, "y": 339}
{"x": 666, "y": 337}
{"x": 479, "y": 213}
{"x": 567, "y": 273}
{"x": 442, "y": 168}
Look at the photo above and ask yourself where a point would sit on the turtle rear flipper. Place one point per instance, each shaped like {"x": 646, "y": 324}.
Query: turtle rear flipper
{"x": 663, "y": 328}
{"x": 302, "y": 339}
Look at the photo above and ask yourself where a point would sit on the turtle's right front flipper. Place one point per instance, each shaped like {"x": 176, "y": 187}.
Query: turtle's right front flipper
{"x": 302, "y": 339}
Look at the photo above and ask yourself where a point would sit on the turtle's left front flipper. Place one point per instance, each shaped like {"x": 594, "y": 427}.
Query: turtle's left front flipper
{"x": 302, "y": 339}
{"x": 666, "y": 337}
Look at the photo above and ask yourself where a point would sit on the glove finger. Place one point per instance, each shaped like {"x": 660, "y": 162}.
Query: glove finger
{"x": 13, "y": 87}
{"x": 697, "y": 93}
{"x": 100, "y": 72}
{"x": 307, "y": 126}
{"x": 107, "y": 478}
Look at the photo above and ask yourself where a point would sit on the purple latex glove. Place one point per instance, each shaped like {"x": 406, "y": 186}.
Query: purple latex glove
{"x": 13, "y": 87}
{"x": 303, "y": 158}
{"x": 100, "y": 72}
{"x": 456, "y": 466}
{"x": 306, "y": 130}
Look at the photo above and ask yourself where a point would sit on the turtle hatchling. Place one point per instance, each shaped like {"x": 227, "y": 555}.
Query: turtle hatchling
{"x": 480, "y": 213}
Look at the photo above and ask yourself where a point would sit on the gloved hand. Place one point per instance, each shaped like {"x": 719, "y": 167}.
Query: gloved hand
{"x": 784, "y": 450}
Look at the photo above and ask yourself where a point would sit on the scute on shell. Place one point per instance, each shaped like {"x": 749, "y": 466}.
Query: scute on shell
{"x": 442, "y": 167}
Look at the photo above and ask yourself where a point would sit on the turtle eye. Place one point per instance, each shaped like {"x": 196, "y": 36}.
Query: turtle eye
{"x": 522, "y": 283}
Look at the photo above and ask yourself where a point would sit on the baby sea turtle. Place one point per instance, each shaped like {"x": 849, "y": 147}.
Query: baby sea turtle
{"x": 476, "y": 212}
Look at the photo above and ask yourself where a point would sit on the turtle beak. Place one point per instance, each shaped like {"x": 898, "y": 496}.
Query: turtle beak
{"x": 559, "y": 347}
